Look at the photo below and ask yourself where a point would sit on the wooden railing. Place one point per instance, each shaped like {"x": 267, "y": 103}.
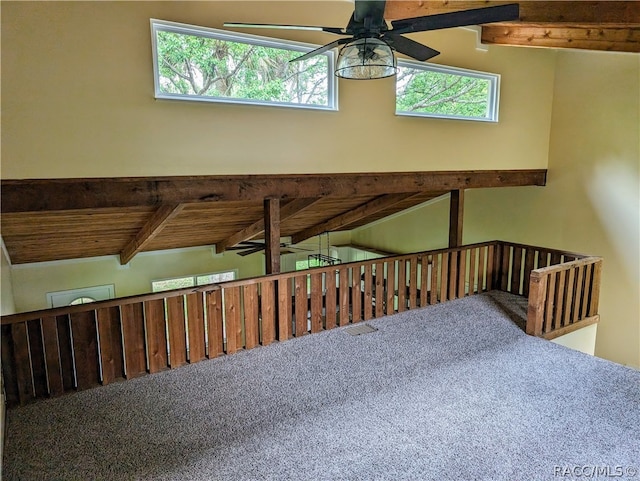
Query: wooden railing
{"x": 54, "y": 351}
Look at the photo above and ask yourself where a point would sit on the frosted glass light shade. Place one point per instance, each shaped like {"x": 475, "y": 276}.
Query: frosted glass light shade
{"x": 366, "y": 59}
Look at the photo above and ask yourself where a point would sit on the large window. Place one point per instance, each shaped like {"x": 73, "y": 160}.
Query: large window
{"x": 192, "y": 281}
{"x": 197, "y": 63}
{"x": 434, "y": 91}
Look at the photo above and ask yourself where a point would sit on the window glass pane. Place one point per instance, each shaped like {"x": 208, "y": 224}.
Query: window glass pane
{"x": 214, "y": 278}
{"x": 445, "y": 92}
{"x": 168, "y": 284}
{"x": 206, "y": 64}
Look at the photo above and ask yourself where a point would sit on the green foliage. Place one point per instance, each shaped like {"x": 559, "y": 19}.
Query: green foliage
{"x": 210, "y": 67}
{"x": 441, "y": 93}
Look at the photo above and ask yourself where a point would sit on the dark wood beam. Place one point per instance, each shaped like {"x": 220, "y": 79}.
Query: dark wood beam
{"x": 295, "y": 207}
{"x": 456, "y": 215}
{"x": 573, "y": 12}
{"x": 590, "y": 25}
{"x": 151, "y": 229}
{"x": 31, "y": 195}
{"x": 588, "y": 38}
{"x": 343, "y": 220}
{"x": 272, "y": 235}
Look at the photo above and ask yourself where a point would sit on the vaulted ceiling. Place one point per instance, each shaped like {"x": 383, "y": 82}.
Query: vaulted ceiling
{"x": 583, "y": 24}
{"x": 46, "y": 220}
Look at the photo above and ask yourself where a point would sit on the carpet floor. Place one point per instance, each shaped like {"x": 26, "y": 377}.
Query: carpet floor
{"x": 454, "y": 391}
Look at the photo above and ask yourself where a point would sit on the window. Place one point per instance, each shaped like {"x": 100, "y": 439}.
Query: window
{"x": 83, "y": 295}
{"x": 197, "y": 63}
{"x": 446, "y": 92}
{"x": 192, "y": 281}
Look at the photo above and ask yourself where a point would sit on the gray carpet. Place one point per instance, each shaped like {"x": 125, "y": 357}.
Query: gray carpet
{"x": 450, "y": 392}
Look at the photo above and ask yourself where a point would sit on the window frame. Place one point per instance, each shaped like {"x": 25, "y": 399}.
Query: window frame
{"x": 194, "y": 277}
{"x": 181, "y": 28}
{"x": 494, "y": 90}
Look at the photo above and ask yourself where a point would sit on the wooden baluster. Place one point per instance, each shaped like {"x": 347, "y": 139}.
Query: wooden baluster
{"x": 529, "y": 262}
{"x": 85, "y": 349}
{"x": 52, "y": 355}
{"x": 316, "y": 302}
{"x": 453, "y": 274}
{"x": 285, "y": 320}
{"x": 268, "y": 307}
{"x": 22, "y": 362}
{"x": 378, "y": 288}
{"x": 215, "y": 323}
{"x": 155, "y": 326}
{"x": 368, "y": 292}
{"x": 402, "y": 285}
{"x": 595, "y": 289}
{"x": 516, "y": 271}
{"x": 424, "y": 279}
{"x": 66, "y": 352}
{"x": 579, "y": 293}
{"x": 251, "y": 316}
{"x": 560, "y": 299}
{"x": 568, "y": 302}
{"x": 462, "y": 273}
{"x": 444, "y": 276}
{"x": 345, "y": 290}
{"x": 133, "y": 338}
{"x": 484, "y": 276}
{"x": 472, "y": 271}
{"x": 10, "y": 382}
{"x": 301, "y": 305}
{"x": 413, "y": 283}
{"x": 588, "y": 282}
{"x": 550, "y": 303}
{"x": 391, "y": 288}
{"x": 111, "y": 343}
{"x": 232, "y": 311}
{"x": 433, "y": 293}
{"x": 535, "y": 312}
{"x": 356, "y": 294}
{"x": 38, "y": 368}
{"x": 331, "y": 299}
{"x": 195, "y": 321}
{"x": 177, "y": 331}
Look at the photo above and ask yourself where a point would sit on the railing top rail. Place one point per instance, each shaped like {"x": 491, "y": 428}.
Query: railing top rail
{"x": 545, "y": 249}
{"x": 544, "y": 271}
{"x": 118, "y": 301}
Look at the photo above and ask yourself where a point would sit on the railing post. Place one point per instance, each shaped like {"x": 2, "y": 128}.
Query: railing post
{"x": 537, "y": 298}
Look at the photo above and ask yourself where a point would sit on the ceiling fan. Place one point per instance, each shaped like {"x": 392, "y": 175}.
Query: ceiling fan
{"x": 245, "y": 248}
{"x": 367, "y": 48}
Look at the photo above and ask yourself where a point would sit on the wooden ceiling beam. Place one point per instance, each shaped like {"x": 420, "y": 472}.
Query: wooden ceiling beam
{"x": 33, "y": 195}
{"x": 574, "y": 12}
{"x": 151, "y": 229}
{"x": 295, "y": 207}
{"x": 343, "y": 220}
{"x": 594, "y": 38}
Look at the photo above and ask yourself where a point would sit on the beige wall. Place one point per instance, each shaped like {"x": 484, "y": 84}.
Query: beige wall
{"x": 591, "y": 203}
{"x": 78, "y": 102}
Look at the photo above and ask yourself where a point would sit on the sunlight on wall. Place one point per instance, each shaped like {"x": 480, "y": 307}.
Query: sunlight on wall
{"x": 610, "y": 186}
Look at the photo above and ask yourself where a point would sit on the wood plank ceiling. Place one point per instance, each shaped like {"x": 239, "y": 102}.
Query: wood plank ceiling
{"x": 54, "y": 219}
{"x": 592, "y": 25}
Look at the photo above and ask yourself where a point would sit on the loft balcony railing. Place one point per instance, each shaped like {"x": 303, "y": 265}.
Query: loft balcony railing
{"x": 55, "y": 351}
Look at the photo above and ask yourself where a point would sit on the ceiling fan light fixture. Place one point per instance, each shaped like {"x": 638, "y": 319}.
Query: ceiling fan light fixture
{"x": 366, "y": 59}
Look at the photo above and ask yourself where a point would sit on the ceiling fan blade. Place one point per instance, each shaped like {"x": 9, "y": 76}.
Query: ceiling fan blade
{"x": 250, "y": 251}
{"x": 477, "y": 16}
{"x": 320, "y": 50}
{"x": 335, "y": 30}
{"x": 411, "y": 48}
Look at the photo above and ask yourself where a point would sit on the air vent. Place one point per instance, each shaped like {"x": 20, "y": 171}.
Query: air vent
{"x": 360, "y": 329}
